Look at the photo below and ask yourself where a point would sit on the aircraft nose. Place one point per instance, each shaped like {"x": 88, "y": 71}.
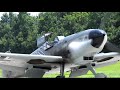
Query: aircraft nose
{"x": 97, "y": 37}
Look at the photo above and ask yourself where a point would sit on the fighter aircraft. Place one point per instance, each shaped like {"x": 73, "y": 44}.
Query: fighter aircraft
{"x": 77, "y": 53}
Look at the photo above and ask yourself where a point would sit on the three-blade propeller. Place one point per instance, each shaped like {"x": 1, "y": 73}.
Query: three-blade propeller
{"x": 109, "y": 47}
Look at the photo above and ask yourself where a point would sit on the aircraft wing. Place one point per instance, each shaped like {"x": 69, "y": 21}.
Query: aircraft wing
{"x": 100, "y": 60}
{"x": 108, "y": 62}
{"x": 97, "y": 64}
{"x": 104, "y": 59}
{"x": 105, "y": 56}
{"x": 20, "y": 62}
{"x": 32, "y": 58}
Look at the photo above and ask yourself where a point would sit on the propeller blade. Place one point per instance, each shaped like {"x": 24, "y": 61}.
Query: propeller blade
{"x": 109, "y": 47}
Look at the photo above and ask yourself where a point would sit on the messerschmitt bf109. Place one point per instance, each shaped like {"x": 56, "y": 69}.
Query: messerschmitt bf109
{"x": 77, "y": 53}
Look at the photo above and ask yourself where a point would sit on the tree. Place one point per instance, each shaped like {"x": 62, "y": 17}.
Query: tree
{"x": 19, "y": 32}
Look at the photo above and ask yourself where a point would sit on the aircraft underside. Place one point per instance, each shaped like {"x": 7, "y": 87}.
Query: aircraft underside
{"x": 75, "y": 70}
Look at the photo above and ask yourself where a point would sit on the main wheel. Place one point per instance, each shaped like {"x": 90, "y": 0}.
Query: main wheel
{"x": 100, "y": 75}
{"x": 60, "y": 77}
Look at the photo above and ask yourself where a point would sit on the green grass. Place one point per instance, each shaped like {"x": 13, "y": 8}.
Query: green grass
{"x": 112, "y": 71}
{"x": 0, "y": 73}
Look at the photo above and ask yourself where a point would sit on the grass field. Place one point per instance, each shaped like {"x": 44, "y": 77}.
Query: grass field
{"x": 112, "y": 71}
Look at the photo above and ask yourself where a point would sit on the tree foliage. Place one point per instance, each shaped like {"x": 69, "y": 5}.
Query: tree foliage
{"x": 19, "y": 32}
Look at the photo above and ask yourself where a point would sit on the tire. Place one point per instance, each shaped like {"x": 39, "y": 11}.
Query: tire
{"x": 60, "y": 77}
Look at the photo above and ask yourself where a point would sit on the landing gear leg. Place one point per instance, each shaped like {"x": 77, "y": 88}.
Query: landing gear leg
{"x": 62, "y": 65}
{"x": 97, "y": 75}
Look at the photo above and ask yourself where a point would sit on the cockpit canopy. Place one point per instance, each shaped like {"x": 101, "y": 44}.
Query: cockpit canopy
{"x": 58, "y": 38}
{"x": 44, "y": 39}
{"x": 41, "y": 40}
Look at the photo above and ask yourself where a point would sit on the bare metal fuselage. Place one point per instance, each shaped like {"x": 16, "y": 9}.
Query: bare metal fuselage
{"x": 73, "y": 49}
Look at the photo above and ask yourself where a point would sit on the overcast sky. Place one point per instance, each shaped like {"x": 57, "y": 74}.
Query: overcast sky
{"x": 31, "y": 13}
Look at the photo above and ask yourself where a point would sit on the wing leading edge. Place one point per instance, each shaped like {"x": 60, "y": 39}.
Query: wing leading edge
{"x": 28, "y": 57}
